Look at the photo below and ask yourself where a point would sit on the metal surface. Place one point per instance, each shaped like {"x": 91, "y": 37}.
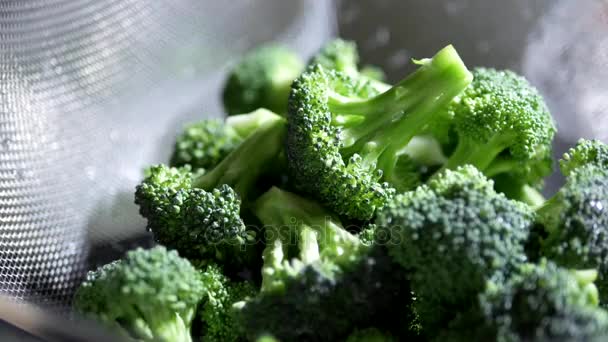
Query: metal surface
{"x": 91, "y": 91}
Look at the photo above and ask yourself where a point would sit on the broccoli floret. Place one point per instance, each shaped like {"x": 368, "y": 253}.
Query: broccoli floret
{"x": 199, "y": 213}
{"x": 576, "y": 223}
{"x": 344, "y": 140}
{"x": 454, "y": 234}
{"x": 321, "y": 277}
{"x": 219, "y": 322}
{"x": 203, "y": 144}
{"x": 201, "y": 225}
{"x": 343, "y": 56}
{"x": 503, "y": 126}
{"x": 150, "y": 295}
{"x": 585, "y": 152}
{"x": 293, "y": 220}
{"x": 545, "y": 303}
{"x": 369, "y": 335}
{"x": 261, "y": 79}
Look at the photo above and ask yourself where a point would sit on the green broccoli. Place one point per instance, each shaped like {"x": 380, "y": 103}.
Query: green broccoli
{"x": 343, "y": 56}
{"x": 417, "y": 156}
{"x": 218, "y": 317}
{"x": 545, "y": 303}
{"x": 454, "y": 234}
{"x": 344, "y": 139}
{"x": 261, "y": 79}
{"x": 204, "y": 144}
{"x": 318, "y": 235}
{"x": 503, "y": 126}
{"x": 150, "y": 295}
{"x": 585, "y": 152}
{"x": 576, "y": 223}
{"x": 321, "y": 276}
{"x": 199, "y": 213}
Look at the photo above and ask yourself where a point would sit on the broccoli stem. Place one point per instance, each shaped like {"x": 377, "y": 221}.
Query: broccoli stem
{"x": 378, "y": 128}
{"x": 245, "y": 124}
{"x": 411, "y": 103}
{"x": 480, "y": 155}
{"x": 319, "y": 234}
{"x": 273, "y": 256}
{"x": 167, "y": 328}
{"x": 242, "y": 167}
{"x": 309, "y": 246}
{"x": 531, "y": 196}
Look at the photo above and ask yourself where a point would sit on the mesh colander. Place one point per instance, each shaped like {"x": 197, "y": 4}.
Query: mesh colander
{"x": 90, "y": 92}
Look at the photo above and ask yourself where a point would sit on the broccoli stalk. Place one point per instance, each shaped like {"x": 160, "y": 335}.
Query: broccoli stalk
{"x": 517, "y": 189}
{"x": 344, "y": 138}
{"x": 255, "y": 155}
{"x": 150, "y": 295}
{"x": 318, "y": 235}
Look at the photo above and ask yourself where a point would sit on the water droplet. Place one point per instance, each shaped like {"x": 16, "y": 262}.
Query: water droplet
{"x": 597, "y": 205}
{"x": 90, "y": 172}
{"x": 399, "y": 58}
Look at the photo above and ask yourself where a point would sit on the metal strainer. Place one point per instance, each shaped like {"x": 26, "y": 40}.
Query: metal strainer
{"x": 90, "y": 92}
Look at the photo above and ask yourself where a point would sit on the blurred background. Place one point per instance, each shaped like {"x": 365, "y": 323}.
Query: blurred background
{"x": 91, "y": 91}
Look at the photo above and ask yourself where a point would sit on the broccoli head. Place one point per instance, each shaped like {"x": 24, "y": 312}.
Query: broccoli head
{"x": 200, "y": 224}
{"x": 199, "y": 213}
{"x": 261, "y": 79}
{"x": 343, "y": 56}
{"x": 454, "y": 234}
{"x": 585, "y": 152}
{"x": 219, "y": 322}
{"x": 203, "y": 144}
{"x": 545, "y": 303}
{"x": 321, "y": 277}
{"x": 503, "y": 126}
{"x": 150, "y": 295}
{"x": 344, "y": 139}
{"x": 576, "y": 223}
